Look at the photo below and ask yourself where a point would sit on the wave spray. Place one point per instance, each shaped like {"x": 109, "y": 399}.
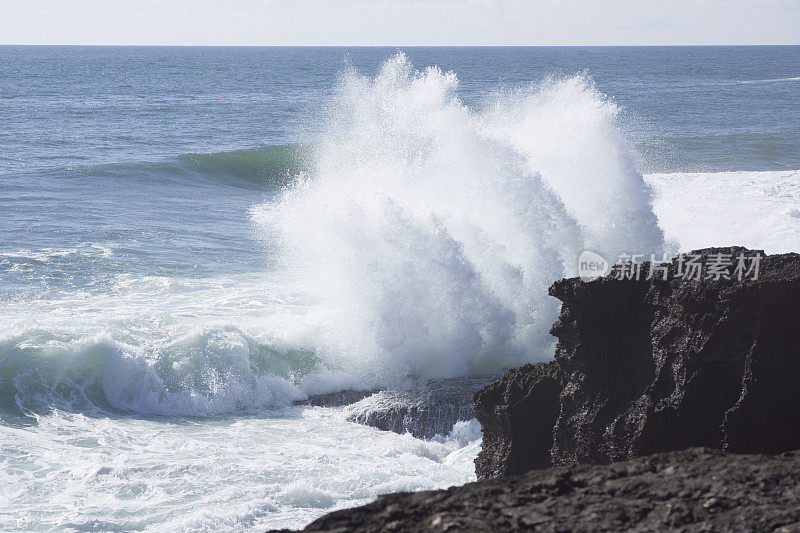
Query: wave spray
{"x": 428, "y": 232}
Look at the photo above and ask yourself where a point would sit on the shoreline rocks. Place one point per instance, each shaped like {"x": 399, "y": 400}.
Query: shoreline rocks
{"x": 648, "y": 366}
{"x": 655, "y": 383}
{"x": 517, "y": 413}
{"x": 424, "y": 410}
{"x": 691, "y": 490}
{"x": 337, "y": 399}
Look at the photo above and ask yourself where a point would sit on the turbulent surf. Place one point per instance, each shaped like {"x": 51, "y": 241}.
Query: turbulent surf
{"x": 187, "y": 254}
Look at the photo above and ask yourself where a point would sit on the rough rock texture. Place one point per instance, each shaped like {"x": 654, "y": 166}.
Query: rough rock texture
{"x": 647, "y": 366}
{"x": 693, "y": 490}
{"x": 657, "y": 365}
{"x": 517, "y": 413}
{"x": 337, "y": 399}
{"x": 642, "y": 367}
{"x": 425, "y": 410}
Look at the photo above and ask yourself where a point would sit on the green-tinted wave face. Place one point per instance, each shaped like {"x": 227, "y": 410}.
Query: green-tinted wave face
{"x": 263, "y": 167}
{"x": 269, "y": 165}
{"x": 202, "y": 371}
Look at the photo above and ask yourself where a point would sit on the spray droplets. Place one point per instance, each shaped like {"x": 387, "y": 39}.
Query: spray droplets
{"x": 429, "y": 232}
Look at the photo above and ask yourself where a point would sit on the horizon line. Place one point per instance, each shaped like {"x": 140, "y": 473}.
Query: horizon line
{"x": 157, "y": 45}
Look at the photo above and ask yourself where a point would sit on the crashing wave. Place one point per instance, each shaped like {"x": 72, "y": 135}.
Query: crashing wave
{"x": 429, "y": 232}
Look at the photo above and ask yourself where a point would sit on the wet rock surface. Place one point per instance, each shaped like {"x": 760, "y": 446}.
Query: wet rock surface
{"x": 337, "y": 399}
{"x": 691, "y": 490}
{"x": 424, "y": 410}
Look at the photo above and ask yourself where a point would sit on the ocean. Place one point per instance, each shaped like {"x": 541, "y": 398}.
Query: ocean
{"x": 193, "y": 239}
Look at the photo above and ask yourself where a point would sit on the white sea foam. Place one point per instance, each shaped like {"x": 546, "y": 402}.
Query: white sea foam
{"x": 158, "y": 346}
{"x": 758, "y": 210}
{"x": 420, "y": 241}
{"x": 76, "y": 472}
{"x": 770, "y": 80}
{"x": 47, "y": 254}
{"x": 428, "y": 232}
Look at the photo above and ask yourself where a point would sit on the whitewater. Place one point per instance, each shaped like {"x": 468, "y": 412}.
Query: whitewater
{"x": 150, "y": 366}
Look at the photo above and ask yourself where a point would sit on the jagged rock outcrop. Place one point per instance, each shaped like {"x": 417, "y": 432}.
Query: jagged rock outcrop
{"x": 692, "y": 490}
{"x": 425, "y": 410}
{"x": 648, "y": 366}
{"x": 337, "y": 399}
{"x": 659, "y": 365}
{"x": 517, "y": 413}
{"x": 643, "y": 366}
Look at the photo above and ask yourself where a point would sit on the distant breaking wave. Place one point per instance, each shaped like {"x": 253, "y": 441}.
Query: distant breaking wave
{"x": 772, "y": 80}
{"x": 273, "y": 164}
{"x": 270, "y": 166}
{"x": 204, "y": 372}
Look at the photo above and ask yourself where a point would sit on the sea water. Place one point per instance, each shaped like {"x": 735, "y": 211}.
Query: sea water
{"x": 192, "y": 239}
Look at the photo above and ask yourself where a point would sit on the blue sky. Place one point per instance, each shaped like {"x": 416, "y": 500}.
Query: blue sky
{"x": 400, "y": 22}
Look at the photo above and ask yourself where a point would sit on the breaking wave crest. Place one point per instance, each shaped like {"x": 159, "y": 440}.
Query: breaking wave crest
{"x": 418, "y": 241}
{"x": 428, "y": 231}
{"x": 266, "y": 166}
{"x": 206, "y": 372}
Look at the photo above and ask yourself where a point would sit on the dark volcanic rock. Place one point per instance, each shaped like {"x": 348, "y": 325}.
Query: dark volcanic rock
{"x": 693, "y": 490}
{"x": 336, "y": 399}
{"x": 642, "y": 367}
{"x": 517, "y": 413}
{"x": 657, "y": 365}
{"x": 425, "y": 410}
{"x": 648, "y": 366}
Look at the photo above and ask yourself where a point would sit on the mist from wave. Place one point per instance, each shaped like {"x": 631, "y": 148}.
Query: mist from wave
{"x": 416, "y": 238}
{"x": 418, "y": 241}
{"x": 429, "y": 231}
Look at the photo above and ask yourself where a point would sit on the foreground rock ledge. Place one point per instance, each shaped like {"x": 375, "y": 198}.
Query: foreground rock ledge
{"x": 692, "y": 490}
